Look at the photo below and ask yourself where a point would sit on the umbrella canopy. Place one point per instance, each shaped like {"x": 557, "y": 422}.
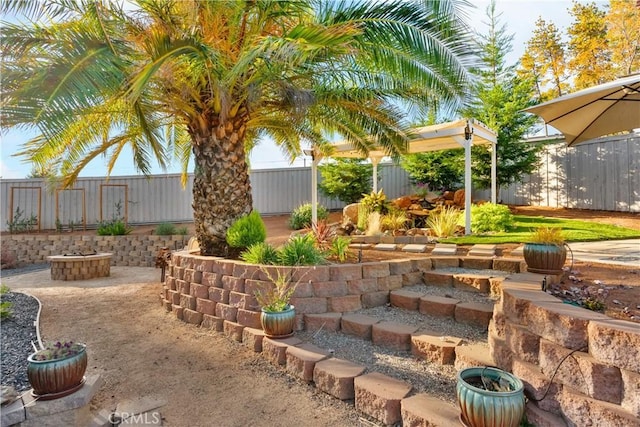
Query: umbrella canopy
{"x": 596, "y": 111}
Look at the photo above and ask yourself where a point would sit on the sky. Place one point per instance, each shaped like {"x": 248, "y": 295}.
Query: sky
{"x": 518, "y": 15}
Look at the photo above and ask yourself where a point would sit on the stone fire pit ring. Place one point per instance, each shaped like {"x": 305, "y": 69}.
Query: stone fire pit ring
{"x": 79, "y": 266}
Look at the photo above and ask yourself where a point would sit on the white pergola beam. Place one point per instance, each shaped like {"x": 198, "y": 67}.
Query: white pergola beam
{"x": 443, "y": 136}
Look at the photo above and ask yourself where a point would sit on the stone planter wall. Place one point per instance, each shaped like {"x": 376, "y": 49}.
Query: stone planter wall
{"x": 212, "y": 290}
{"x": 529, "y": 335}
{"x": 532, "y": 335}
{"x": 129, "y": 250}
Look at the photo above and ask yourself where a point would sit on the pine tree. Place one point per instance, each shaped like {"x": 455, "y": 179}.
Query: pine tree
{"x": 499, "y": 96}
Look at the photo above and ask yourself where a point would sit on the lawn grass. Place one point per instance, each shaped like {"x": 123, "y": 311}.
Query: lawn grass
{"x": 573, "y": 231}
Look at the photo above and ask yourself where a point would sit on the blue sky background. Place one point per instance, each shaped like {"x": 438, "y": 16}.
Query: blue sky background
{"x": 519, "y": 16}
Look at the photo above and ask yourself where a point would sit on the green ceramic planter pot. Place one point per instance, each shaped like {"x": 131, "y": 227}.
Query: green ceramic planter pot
{"x": 56, "y": 378}
{"x": 278, "y": 324}
{"x": 486, "y": 408}
{"x": 544, "y": 258}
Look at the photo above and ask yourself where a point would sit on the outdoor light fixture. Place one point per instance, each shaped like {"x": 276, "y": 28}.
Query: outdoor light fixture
{"x": 309, "y": 153}
{"x": 467, "y": 132}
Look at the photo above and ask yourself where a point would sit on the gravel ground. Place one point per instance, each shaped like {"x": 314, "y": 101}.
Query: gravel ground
{"x": 18, "y": 331}
{"x": 434, "y": 379}
{"x": 29, "y": 268}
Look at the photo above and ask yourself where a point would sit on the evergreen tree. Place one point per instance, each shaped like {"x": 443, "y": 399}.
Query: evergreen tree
{"x": 346, "y": 179}
{"x": 498, "y": 97}
{"x": 439, "y": 170}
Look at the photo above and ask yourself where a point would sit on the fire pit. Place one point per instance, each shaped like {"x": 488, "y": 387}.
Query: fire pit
{"x": 80, "y": 266}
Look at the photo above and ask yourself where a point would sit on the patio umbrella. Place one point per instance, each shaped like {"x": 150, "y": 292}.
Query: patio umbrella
{"x": 596, "y": 111}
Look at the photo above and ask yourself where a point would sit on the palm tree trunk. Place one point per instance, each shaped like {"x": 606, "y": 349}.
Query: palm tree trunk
{"x": 221, "y": 186}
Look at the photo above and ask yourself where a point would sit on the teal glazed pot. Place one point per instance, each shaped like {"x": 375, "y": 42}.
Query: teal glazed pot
{"x": 56, "y": 378}
{"x": 542, "y": 258}
{"x": 278, "y": 324}
{"x": 485, "y": 408}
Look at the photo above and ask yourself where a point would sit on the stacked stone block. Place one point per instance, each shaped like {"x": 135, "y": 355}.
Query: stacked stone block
{"x": 128, "y": 250}
{"x": 80, "y": 267}
{"x": 577, "y": 365}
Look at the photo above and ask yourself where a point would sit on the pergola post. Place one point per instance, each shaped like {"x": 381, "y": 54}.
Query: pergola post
{"x": 315, "y": 160}
{"x": 374, "y": 161}
{"x": 468, "y": 136}
{"x": 494, "y": 172}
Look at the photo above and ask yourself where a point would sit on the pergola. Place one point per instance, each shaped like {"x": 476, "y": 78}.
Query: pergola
{"x": 445, "y": 136}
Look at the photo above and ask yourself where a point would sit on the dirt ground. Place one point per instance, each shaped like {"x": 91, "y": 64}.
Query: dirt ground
{"x": 141, "y": 351}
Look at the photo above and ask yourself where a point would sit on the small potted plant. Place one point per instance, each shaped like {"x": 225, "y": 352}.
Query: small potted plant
{"x": 546, "y": 252}
{"x": 57, "y": 370}
{"x": 278, "y": 315}
{"x": 489, "y": 397}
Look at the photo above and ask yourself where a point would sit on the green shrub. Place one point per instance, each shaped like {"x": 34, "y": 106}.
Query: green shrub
{"x": 438, "y": 170}
{"x": 182, "y": 231}
{"x": 301, "y": 216}
{"x": 115, "y": 227}
{"x": 491, "y": 217}
{"x": 300, "y": 250}
{"x": 394, "y": 220}
{"x": 346, "y": 179}
{"x": 340, "y": 248}
{"x": 246, "y": 231}
{"x": 5, "y": 306}
{"x": 375, "y": 201}
{"x": 363, "y": 217}
{"x": 443, "y": 221}
{"x": 165, "y": 229}
{"x": 260, "y": 253}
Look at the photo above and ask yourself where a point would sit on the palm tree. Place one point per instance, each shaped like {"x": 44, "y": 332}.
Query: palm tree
{"x": 206, "y": 80}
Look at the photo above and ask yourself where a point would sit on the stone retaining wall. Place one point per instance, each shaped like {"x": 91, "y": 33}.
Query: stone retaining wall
{"x": 214, "y": 290}
{"x": 129, "y": 250}
{"x": 530, "y": 334}
{"x": 588, "y": 362}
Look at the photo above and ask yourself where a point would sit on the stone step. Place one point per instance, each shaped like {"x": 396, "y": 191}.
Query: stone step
{"x": 301, "y": 360}
{"x": 438, "y": 306}
{"x": 474, "y": 313}
{"x": 359, "y": 325}
{"x": 483, "y": 283}
{"x": 385, "y": 247}
{"x": 379, "y": 396}
{"x": 414, "y": 247}
{"x": 375, "y": 394}
{"x": 393, "y": 335}
{"x": 336, "y": 377}
{"x": 426, "y": 344}
{"x": 275, "y": 350}
{"x": 445, "y": 249}
{"x": 434, "y": 348}
{"x": 482, "y": 250}
{"x": 471, "y": 355}
{"x": 424, "y": 410}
